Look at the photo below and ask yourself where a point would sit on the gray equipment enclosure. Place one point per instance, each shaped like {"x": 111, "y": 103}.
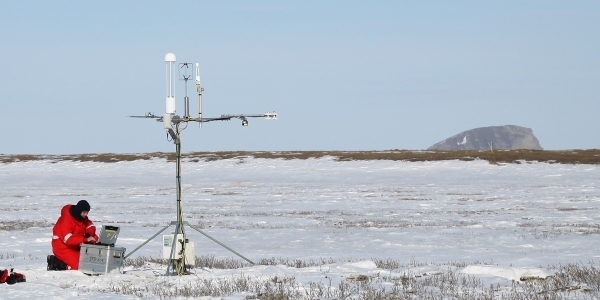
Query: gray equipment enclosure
{"x": 95, "y": 260}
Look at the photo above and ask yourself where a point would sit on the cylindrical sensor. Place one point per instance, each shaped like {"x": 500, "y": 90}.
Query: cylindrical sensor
{"x": 170, "y": 109}
{"x": 170, "y": 65}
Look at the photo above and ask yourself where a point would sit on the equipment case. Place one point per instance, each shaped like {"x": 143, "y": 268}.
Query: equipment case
{"x": 94, "y": 259}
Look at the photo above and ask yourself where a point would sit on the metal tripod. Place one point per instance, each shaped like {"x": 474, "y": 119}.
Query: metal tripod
{"x": 178, "y": 266}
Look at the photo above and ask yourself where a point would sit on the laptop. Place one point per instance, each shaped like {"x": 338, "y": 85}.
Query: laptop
{"x": 108, "y": 235}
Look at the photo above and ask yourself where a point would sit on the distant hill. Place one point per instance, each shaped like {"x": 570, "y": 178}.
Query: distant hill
{"x": 508, "y": 137}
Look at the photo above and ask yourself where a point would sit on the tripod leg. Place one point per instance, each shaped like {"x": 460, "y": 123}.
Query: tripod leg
{"x": 146, "y": 242}
{"x": 224, "y": 246}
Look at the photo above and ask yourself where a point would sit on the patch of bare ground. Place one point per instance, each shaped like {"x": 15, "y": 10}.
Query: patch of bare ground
{"x": 569, "y": 281}
{"x": 17, "y": 225}
{"x": 591, "y": 156}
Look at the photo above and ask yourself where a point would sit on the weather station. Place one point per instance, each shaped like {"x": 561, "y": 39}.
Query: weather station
{"x": 176, "y": 247}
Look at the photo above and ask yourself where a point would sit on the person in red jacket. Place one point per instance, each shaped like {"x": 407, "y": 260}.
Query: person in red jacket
{"x": 71, "y": 230}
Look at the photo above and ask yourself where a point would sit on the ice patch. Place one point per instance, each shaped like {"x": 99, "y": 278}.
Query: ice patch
{"x": 505, "y": 272}
{"x": 367, "y": 264}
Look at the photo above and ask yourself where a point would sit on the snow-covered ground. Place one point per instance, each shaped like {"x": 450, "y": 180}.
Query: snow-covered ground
{"x": 497, "y": 223}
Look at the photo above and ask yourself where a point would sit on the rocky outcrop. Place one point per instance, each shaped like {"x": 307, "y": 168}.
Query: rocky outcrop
{"x": 494, "y": 137}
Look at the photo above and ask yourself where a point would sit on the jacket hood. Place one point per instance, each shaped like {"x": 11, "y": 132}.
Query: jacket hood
{"x": 70, "y": 211}
{"x": 64, "y": 212}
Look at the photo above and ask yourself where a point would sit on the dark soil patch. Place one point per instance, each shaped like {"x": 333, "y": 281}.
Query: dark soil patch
{"x": 495, "y": 157}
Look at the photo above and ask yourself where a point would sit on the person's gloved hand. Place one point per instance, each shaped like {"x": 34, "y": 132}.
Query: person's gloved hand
{"x": 89, "y": 239}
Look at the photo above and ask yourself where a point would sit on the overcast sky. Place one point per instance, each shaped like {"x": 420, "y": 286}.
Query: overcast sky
{"x": 342, "y": 75}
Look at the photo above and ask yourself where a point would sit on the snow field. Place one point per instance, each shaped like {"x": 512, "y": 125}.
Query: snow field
{"x": 492, "y": 223}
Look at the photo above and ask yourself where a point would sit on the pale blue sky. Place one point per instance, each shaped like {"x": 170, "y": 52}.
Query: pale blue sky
{"x": 342, "y": 75}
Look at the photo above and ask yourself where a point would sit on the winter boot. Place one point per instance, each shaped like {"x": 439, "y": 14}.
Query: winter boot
{"x": 55, "y": 264}
{"x": 50, "y": 267}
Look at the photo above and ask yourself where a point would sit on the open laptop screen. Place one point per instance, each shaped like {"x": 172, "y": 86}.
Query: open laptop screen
{"x": 108, "y": 235}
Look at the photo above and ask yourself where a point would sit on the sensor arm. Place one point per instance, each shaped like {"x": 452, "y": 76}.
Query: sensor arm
{"x": 147, "y": 116}
{"x": 227, "y": 117}
{"x": 224, "y": 117}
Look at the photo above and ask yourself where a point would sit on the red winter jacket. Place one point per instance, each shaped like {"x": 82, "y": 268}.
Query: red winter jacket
{"x": 68, "y": 235}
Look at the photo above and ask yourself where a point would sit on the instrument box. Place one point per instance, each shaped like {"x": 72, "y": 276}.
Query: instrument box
{"x": 96, "y": 259}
